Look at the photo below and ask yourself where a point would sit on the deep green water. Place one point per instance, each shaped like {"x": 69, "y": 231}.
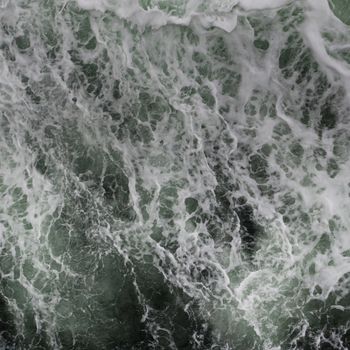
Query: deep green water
{"x": 174, "y": 174}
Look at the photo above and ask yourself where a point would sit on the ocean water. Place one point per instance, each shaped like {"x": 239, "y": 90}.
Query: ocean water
{"x": 174, "y": 174}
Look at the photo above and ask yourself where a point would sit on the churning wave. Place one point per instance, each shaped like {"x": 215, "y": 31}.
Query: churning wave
{"x": 174, "y": 174}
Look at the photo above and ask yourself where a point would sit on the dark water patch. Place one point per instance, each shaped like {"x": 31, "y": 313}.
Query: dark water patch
{"x": 259, "y": 168}
{"x": 261, "y": 44}
{"x": 191, "y": 204}
{"x": 328, "y": 115}
{"x": 23, "y": 41}
{"x": 170, "y": 311}
{"x": 7, "y": 325}
{"x": 207, "y": 96}
{"x": 250, "y": 230}
{"x": 34, "y": 338}
{"x": 341, "y": 9}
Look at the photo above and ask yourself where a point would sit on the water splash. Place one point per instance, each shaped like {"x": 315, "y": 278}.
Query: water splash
{"x": 174, "y": 175}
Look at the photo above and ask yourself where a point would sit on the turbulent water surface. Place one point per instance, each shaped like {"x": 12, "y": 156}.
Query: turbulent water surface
{"x": 174, "y": 174}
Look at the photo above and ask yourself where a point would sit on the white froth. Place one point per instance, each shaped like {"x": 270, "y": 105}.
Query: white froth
{"x": 209, "y": 97}
{"x": 262, "y": 4}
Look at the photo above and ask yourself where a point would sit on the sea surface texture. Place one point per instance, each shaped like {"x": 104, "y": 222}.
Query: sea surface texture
{"x": 174, "y": 174}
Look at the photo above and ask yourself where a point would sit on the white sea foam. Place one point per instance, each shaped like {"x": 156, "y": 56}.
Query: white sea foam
{"x": 216, "y": 14}
{"x": 209, "y": 120}
{"x": 262, "y": 4}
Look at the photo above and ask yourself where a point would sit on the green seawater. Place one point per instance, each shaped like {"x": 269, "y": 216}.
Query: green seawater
{"x": 174, "y": 174}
